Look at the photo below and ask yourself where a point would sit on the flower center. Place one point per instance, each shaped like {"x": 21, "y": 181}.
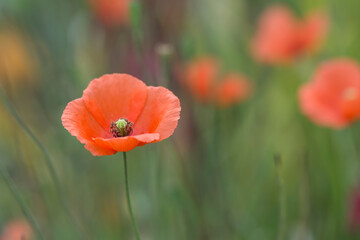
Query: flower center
{"x": 121, "y": 128}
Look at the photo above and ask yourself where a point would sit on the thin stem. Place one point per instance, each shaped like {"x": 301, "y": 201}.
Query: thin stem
{"x": 48, "y": 161}
{"x": 24, "y": 208}
{"x": 128, "y": 199}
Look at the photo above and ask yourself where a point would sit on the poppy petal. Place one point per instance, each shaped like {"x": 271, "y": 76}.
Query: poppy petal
{"x": 338, "y": 73}
{"x": 164, "y": 108}
{"x": 80, "y": 123}
{"x": 125, "y": 144}
{"x": 313, "y": 107}
{"x": 115, "y": 96}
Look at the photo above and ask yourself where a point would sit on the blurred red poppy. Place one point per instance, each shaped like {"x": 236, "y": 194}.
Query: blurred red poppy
{"x": 281, "y": 37}
{"x": 111, "y": 12}
{"x": 332, "y": 98}
{"x": 118, "y": 112}
{"x": 203, "y": 79}
{"x": 200, "y": 75}
{"x": 17, "y": 230}
{"x": 232, "y": 89}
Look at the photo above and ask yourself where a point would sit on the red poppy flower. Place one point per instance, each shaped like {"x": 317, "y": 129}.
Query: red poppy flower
{"x": 281, "y": 37}
{"x": 202, "y": 77}
{"x": 111, "y": 12}
{"x": 332, "y": 98}
{"x": 118, "y": 112}
{"x": 17, "y": 230}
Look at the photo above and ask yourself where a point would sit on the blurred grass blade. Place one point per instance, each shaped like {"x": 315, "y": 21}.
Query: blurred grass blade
{"x": 24, "y": 208}
{"x": 304, "y": 204}
{"x": 282, "y": 198}
{"x": 135, "y": 15}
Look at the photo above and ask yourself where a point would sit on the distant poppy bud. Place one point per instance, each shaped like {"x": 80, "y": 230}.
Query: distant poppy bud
{"x": 332, "y": 98}
{"x": 164, "y": 49}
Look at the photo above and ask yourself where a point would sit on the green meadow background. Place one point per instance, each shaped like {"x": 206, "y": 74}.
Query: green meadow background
{"x": 256, "y": 170}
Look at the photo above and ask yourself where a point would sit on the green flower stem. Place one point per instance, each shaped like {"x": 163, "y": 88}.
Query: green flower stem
{"x": 48, "y": 161}
{"x": 24, "y": 208}
{"x": 128, "y": 199}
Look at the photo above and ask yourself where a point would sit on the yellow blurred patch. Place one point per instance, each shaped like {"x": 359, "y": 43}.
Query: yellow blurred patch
{"x": 18, "y": 63}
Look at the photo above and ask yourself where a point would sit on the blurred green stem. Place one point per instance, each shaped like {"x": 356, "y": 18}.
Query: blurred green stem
{"x": 304, "y": 198}
{"x": 26, "y": 211}
{"x": 48, "y": 161}
{"x": 282, "y": 199}
{"x": 128, "y": 199}
{"x": 135, "y": 17}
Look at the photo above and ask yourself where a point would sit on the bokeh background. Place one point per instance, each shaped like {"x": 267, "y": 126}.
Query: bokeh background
{"x": 258, "y": 169}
